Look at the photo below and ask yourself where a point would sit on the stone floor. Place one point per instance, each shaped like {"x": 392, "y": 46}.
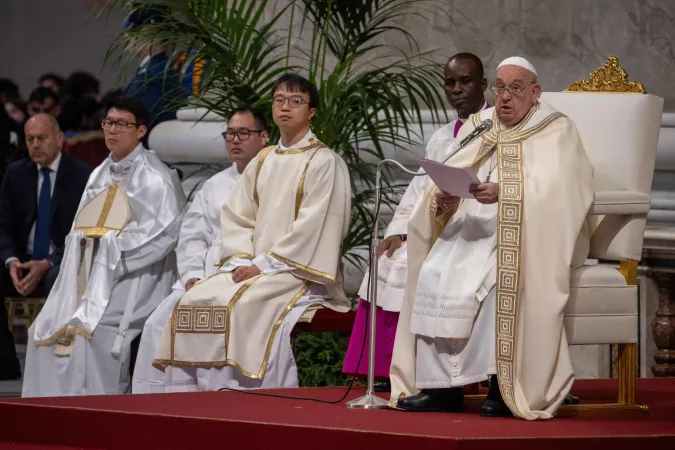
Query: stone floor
{"x": 12, "y": 388}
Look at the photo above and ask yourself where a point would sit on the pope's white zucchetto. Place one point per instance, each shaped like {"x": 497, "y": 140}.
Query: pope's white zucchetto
{"x": 520, "y": 62}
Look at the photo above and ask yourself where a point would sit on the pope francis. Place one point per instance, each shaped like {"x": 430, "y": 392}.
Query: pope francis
{"x": 489, "y": 277}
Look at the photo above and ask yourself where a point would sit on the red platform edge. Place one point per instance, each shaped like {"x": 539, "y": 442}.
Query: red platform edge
{"x": 226, "y": 419}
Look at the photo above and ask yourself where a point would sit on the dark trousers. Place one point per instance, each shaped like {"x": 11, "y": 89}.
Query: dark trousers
{"x": 9, "y": 363}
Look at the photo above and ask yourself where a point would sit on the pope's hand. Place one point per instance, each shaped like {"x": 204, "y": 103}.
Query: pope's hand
{"x": 390, "y": 245}
{"x": 445, "y": 202}
{"x": 486, "y": 193}
{"x": 244, "y": 273}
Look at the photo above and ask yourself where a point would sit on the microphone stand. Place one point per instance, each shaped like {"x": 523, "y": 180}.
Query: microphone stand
{"x": 370, "y": 400}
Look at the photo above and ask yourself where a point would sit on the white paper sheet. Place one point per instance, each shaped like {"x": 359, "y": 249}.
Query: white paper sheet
{"x": 451, "y": 180}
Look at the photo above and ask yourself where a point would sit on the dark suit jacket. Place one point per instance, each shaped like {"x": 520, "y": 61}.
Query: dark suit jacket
{"x": 18, "y": 205}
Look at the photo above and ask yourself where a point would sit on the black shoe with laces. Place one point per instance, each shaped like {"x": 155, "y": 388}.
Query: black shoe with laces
{"x": 433, "y": 400}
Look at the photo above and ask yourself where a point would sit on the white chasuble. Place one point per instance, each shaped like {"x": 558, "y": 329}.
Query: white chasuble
{"x": 80, "y": 341}
{"x": 545, "y": 191}
{"x": 288, "y": 213}
{"x": 197, "y": 253}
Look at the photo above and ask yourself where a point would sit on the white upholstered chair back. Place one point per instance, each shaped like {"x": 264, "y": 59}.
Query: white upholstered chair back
{"x": 620, "y": 132}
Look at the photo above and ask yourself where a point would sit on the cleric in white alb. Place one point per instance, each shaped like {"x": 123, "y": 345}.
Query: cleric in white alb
{"x": 119, "y": 264}
{"x": 199, "y": 242}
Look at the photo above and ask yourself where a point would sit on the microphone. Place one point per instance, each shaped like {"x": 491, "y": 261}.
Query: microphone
{"x": 480, "y": 129}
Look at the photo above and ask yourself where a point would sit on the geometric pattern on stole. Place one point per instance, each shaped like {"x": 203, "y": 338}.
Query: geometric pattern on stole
{"x": 216, "y": 320}
{"x": 510, "y": 225}
{"x": 201, "y": 319}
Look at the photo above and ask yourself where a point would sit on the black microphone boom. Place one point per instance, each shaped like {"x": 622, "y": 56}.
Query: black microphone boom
{"x": 480, "y": 129}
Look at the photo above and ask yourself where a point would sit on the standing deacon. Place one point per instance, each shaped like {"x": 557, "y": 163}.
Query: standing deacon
{"x": 489, "y": 277}
{"x": 199, "y": 241}
{"x": 125, "y": 233}
{"x": 464, "y": 87}
{"x": 281, "y": 231}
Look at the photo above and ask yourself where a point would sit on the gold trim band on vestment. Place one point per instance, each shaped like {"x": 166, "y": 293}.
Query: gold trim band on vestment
{"x": 97, "y": 232}
{"x": 63, "y": 331}
{"x": 107, "y": 205}
{"x": 221, "y": 262}
{"x": 299, "y": 266}
{"x": 509, "y": 242}
{"x": 313, "y": 143}
{"x": 268, "y": 350}
{"x": 301, "y": 186}
{"x": 261, "y": 159}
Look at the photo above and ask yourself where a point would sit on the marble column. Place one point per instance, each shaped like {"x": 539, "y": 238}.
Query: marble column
{"x": 663, "y": 325}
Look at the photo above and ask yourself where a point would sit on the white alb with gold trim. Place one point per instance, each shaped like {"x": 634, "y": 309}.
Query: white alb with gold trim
{"x": 545, "y": 191}
{"x": 288, "y": 213}
{"x": 125, "y": 233}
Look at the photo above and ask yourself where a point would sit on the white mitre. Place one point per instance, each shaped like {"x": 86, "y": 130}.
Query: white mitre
{"x": 520, "y": 62}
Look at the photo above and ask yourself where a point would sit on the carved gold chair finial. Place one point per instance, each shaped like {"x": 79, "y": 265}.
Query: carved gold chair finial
{"x": 608, "y": 78}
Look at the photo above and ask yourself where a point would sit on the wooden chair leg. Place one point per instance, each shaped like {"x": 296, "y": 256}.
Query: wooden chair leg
{"x": 627, "y": 373}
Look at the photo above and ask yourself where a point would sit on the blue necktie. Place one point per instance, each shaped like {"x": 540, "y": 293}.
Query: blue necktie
{"x": 41, "y": 241}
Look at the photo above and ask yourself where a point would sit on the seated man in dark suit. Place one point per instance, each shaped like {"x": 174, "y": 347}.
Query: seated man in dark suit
{"x": 35, "y": 217}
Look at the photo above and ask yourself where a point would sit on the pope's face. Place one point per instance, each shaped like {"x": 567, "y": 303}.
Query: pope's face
{"x": 520, "y": 94}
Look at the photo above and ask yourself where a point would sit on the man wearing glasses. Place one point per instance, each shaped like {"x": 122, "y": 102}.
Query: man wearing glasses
{"x": 489, "y": 277}
{"x": 118, "y": 265}
{"x": 199, "y": 241}
{"x": 281, "y": 230}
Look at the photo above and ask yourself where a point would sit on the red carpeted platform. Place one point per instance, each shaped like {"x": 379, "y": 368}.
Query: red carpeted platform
{"x": 238, "y": 420}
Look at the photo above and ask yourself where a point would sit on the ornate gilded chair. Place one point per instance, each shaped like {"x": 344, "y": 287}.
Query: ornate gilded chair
{"x": 619, "y": 126}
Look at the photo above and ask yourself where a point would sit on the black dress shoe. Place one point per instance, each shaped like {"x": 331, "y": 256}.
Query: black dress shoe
{"x": 494, "y": 405}
{"x": 383, "y": 385}
{"x": 433, "y": 400}
{"x": 571, "y": 400}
